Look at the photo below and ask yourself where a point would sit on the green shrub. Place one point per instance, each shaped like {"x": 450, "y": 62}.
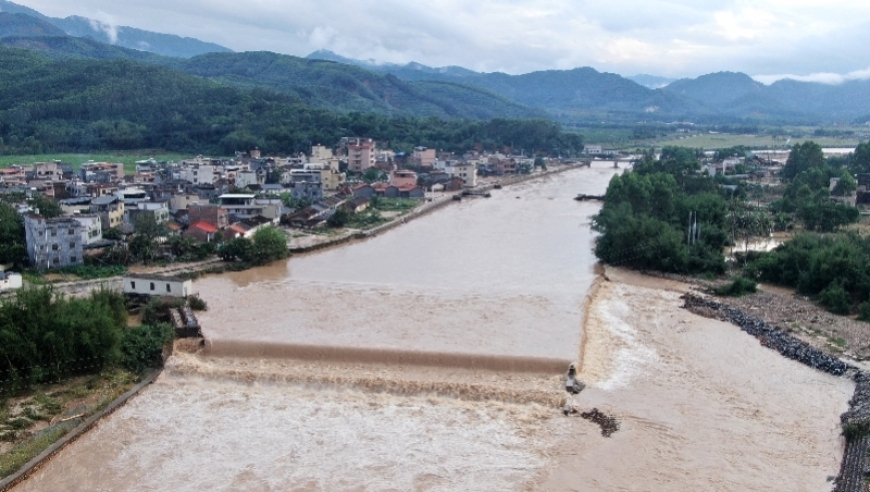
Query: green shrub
{"x": 835, "y": 299}
{"x": 197, "y": 304}
{"x": 864, "y": 311}
{"x": 739, "y": 287}
{"x": 157, "y": 309}
{"x": 142, "y": 346}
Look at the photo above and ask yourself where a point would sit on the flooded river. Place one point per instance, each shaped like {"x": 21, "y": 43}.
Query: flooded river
{"x": 430, "y": 358}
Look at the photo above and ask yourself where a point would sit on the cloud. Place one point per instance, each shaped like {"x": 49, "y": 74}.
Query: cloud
{"x": 673, "y": 38}
{"x": 820, "y": 77}
{"x": 105, "y": 23}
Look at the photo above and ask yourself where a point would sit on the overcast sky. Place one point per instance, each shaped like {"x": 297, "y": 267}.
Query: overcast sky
{"x": 825, "y": 40}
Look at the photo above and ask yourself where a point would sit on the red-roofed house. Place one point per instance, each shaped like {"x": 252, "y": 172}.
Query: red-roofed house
{"x": 203, "y": 231}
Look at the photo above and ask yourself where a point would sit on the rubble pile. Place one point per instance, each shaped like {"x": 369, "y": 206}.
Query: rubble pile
{"x": 769, "y": 336}
{"x": 608, "y": 424}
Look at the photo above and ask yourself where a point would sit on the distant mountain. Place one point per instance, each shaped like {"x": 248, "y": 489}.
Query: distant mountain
{"x": 651, "y": 81}
{"x": 25, "y": 25}
{"x": 581, "y": 92}
{"x": 123, "y": 36}
{"x": 65, "y": 47}
{"x": 352, "y": 88}
{"x": 716, "y": 89}
{"x": 409, "y": 71}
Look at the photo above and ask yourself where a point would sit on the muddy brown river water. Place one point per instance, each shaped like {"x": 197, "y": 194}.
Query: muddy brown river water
{"x": 430, "y": 357}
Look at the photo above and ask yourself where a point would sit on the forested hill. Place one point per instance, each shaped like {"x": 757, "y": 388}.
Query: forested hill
{"x": 88, "y": 105}
{"x": 349, "y": 88}
{"x": 123, "y": 36}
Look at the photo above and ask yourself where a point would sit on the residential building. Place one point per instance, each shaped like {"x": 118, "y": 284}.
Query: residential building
{"x": 423, "y": 157}
{"x": 593, "y": 150}
{"x": 403, "y": 177}
{"x": 101, "y": 172}
{"x": 210, "y": 214}
{"x": 53, "y": 243}
{"x": 159, "y": 210}
{"x": 241, "y": 206}
{"x": 247, "y": 178}
{"x": 110, "y": 210}
{"x": 202, "y": 231}
{"x": 360, "y": 153}
{"x": 466, "y": 171}
{"x": 319, "y": 153}
{"x": 92, "y": 229}
{"x": 183, "y": 201}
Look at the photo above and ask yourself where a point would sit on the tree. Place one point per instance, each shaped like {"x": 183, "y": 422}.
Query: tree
{"x": 237, "y": 249}
{"x": 13, "y": 249}
{"x": 269, "y": 244}
{"x": 339, "y": 219}
{"x": 860, "y": 162}
{"x": 147, "y": 230}
{"x": 803, "y": 157}
{"x": 48, "y": 207}
{"x": 845, "y": 186}
{"x": 371, "y": 175}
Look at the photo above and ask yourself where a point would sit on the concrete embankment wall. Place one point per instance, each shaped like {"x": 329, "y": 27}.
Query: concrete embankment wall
{"x": 34, "y": 464}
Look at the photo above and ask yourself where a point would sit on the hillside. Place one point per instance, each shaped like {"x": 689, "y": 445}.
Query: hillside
{"x": 123, "y": 36}
{"x": 581, "y": 92}
{"x": 348, "y": 88}
{"x": 89, "y": 105}
{"x": 25, "y": 25}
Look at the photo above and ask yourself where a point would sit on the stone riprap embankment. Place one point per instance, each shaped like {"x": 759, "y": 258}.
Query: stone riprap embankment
{"x": 769, "y": 336}
{"x": 855, "y": 423}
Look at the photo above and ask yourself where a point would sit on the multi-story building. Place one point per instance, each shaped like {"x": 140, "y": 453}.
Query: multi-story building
{"x": 360, "y": 153}
{"x": 241, "y": 206}
{"x": 210, "y": 214}
{"x": 92, "y": 228}
{"x": 423, "y": 157}
{"x": 403, "y": 178}
{"x": 465, "y": 171}
{"x": 53, "y": 243}
{"x": 319, "y": 153}
{"x": 110, "y": 209}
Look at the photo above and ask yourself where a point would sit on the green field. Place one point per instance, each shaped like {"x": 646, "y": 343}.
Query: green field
{"x": 128, "y": 158}
{"x": 722, "y": 140}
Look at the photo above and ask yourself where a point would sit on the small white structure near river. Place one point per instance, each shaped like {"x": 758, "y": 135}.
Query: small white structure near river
{"x": 157, "y": 285}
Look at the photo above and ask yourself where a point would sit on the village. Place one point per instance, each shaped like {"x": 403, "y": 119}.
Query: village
{"x": 207, "y": 200}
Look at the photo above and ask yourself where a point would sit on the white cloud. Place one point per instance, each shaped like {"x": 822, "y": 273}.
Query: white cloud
{"x": 820, "y": 77}
{"x": 106, "y": 23}
{"x": 667, "y": 37}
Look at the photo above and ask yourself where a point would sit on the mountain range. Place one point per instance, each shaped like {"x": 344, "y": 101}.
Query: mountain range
{"x": 327, "y": 80}
{"x": 123, "y": 36}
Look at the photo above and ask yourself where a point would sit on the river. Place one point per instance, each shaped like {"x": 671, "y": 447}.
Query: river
{"x": 430, "y": 358}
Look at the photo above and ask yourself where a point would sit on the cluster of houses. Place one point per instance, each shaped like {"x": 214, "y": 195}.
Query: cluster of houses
{"x": 205, "y": 197}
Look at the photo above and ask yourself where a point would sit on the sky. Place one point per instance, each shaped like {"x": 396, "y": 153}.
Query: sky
{"x": 817, "y": 40}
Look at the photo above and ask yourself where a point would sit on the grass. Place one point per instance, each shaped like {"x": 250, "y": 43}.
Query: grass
{"x": 10, "y": 462}
{"x": 721, "y": 140}
{"x": 83, "y": 395}
{"x": 397, "y": 204}
{"x": 128, "y": 158}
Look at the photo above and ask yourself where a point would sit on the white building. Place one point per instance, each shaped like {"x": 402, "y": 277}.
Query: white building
{"x": 10, "y": 281}
{"x": 593, "y": 150}
{"x": 466, "y": 171}
{"x": 156, "y": 285}
{"x": 92, "y": 228}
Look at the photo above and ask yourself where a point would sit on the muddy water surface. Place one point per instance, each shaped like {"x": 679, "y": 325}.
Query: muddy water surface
{"x": 502, "y": 276}
{"x": 702, "y": 406}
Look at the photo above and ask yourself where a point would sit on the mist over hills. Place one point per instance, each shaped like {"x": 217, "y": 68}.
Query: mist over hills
{"x": 123, "y": 36}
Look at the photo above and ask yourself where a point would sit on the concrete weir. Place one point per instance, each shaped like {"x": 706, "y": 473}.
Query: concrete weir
{"x": 325, "y": 353}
